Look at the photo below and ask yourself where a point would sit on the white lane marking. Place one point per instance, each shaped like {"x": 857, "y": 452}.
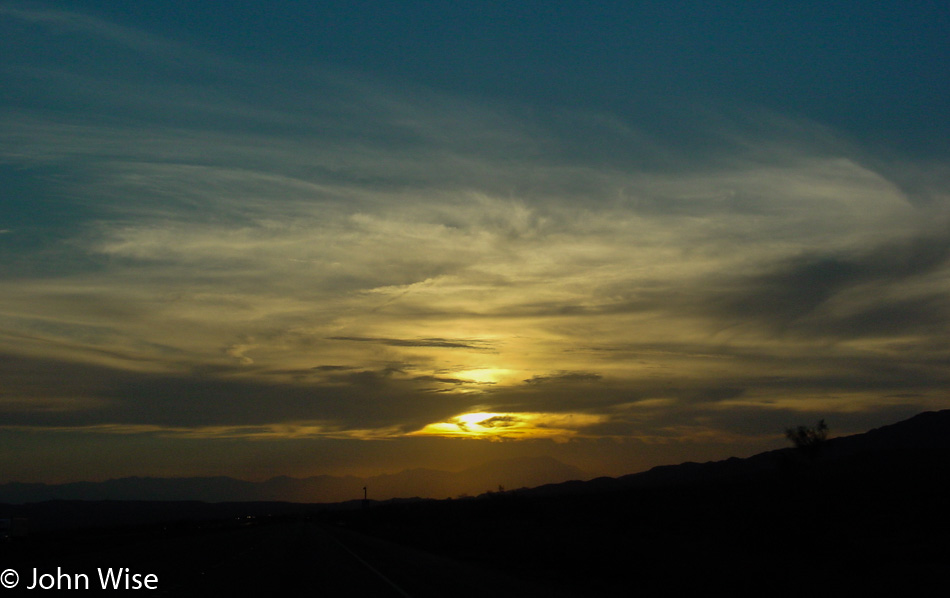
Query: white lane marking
{"x": 370, "y": 567}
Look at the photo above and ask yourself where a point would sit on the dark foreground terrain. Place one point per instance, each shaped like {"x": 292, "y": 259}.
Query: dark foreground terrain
{"x": 864, "y": 514}
{"x": 283, "y": 556}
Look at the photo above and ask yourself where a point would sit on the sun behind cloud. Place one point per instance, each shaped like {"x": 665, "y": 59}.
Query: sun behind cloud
{"x": 511, "y": 426}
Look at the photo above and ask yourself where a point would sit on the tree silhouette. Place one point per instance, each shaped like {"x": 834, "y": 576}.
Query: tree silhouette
{"x": 807, "y": 439}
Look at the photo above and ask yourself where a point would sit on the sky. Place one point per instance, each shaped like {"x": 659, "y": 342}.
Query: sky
{"x": 257, "y": 238}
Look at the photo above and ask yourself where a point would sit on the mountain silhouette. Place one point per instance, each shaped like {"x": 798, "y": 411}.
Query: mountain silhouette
{"x": 425, "y": 483}
{"x": 901, "y": 444}
{"x": 864, "y": 515}
{"x": 905, "y": 444}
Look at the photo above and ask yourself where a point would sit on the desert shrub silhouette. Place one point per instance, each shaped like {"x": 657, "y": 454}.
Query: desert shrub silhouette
{"x": 808, "y": 440}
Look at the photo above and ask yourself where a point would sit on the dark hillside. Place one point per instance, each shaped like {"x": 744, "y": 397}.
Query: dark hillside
{"x": 864, "y": 514}
{"x": 869, "y": 514}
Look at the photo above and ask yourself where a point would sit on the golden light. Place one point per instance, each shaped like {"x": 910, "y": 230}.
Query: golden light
{"x": 511, "y": 426}
{"x": 485, "y": 375}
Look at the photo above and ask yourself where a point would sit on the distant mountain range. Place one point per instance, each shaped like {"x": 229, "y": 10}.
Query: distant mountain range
{"x": 865, "y": 512}
{"x": 428, "y": 483}
{"x": 925, "y": 432}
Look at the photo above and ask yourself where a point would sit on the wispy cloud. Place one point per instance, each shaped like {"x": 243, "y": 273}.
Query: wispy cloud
{"x": 61, "y": 22}
{"x": 350, "y": 258}
{"x": 422, "y": 342}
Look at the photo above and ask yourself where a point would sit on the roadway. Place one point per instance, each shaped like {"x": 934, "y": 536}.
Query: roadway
{"x": 291, "y": 557}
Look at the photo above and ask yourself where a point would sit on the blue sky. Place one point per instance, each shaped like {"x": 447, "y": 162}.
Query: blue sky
{"x": 254, "y": 239}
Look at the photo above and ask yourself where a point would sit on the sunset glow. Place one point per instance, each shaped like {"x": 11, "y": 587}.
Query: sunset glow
{"x": 511, "y": 426}
{"x": 486, "y": 375}
{"x": 355, "y": 238}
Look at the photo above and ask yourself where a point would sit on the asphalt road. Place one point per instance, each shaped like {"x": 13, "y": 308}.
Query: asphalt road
{"x": 293, "y": 557}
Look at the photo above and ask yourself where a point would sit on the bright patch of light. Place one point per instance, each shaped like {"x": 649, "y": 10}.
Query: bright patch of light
{"x": 511, "y": 426}
{"x": 485, "y": 375}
